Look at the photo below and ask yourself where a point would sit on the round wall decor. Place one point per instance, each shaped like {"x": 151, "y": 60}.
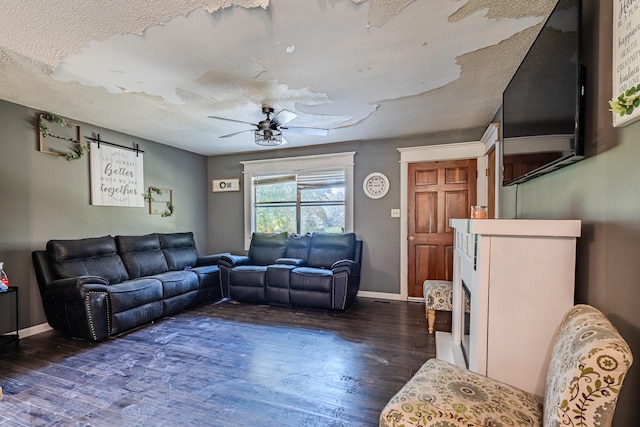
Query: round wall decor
{"x": 376, "y": 185}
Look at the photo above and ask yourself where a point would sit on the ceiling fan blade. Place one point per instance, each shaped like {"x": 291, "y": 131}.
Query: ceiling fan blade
{"x": 236, "y": 133}
{"x": 284, "y": 116}
{"x": 307, "y": 131}
{"x": 231, "y": 120}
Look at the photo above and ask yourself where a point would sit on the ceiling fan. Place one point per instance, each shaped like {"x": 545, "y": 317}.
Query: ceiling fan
{"x": 269, "y": 131}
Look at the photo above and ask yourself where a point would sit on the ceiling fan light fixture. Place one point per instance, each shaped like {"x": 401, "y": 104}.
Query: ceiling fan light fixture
{"x": 268, "y": 137}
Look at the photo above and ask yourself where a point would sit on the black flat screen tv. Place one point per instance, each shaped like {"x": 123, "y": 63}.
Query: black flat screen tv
{"x": 543, "y": 105}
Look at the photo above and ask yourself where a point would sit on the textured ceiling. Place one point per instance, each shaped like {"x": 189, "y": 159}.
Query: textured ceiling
{"x": 365, "y": 69}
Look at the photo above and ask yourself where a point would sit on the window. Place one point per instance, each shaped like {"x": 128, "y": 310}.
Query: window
{"x": 299, "y": 194}
{"x": 302, "y": 203}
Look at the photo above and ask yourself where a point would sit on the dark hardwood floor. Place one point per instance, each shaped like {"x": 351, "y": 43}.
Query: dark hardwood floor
{"x": 223, "y": 364}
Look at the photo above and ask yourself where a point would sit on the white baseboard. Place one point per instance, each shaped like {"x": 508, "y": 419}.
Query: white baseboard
{"x": 380, "y": 295}
{"x": 34, "y": 330}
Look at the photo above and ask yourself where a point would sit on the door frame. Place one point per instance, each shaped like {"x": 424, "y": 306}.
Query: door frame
{"x": 431, "y": 153}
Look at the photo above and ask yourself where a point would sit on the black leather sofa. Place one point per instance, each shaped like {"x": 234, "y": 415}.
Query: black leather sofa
{"x": 318, "y": 270}
{"x": 99, "y": 287}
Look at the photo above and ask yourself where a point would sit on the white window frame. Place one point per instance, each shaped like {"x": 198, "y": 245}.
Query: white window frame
{"x": 295, "y": 165}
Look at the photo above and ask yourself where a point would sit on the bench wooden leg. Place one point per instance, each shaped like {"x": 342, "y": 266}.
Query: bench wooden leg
{"x": 431, "y": 319}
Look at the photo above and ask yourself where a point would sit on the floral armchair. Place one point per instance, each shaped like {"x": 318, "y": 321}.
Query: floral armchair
{"x": 587, "y": 368}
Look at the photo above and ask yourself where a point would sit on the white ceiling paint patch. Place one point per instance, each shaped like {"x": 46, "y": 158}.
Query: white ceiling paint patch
{"x": 235, "y": 63}
{"x": 53, "y": 28}
{"x": 381, "y": 11}
{"x": 433, "y": 66}
{"x": 505, "y": 8}
{"x": 365, "y": 68}
{"x": 195, "y": 54}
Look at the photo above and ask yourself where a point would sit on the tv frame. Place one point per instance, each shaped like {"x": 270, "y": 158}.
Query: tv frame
{"x": 575, "y": 151}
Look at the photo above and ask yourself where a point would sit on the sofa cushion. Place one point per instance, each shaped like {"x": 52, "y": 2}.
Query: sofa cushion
{"x": 141, "y": 255}
{"x": 177, "y": 282}
{"x": 266, "y": 248}
{"x": 328, "y": 248}
{"x": 311, "y": 279}
{"x": 179, "y": 250}
{"x": 248, "y": 275}
{"x": 208, "y": 276}
{"x": 95, "y": 256}
{"x": 134, "y": 293}
{"x": 299, "y": 246}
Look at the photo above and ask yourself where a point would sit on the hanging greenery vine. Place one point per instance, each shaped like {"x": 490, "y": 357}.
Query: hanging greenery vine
{"x": 79, "y": 148}
{"x": 169, "y": 211}
{"x": 158, "y": 191}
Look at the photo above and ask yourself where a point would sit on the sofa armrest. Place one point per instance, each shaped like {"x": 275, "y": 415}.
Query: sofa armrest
{"x": 76, "y": 282}
{"x": 79, "y": 307}
{"x": 345, "y": 265}
{"x": 211, "y": 259}
{"x": 291, "y": 261}
{"x": 231, "y": 261}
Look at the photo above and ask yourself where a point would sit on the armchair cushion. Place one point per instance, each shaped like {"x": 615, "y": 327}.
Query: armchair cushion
{"x": 441, "y": 394}
{"x": 588, "y": 364}
{"x": 589, "y": 361}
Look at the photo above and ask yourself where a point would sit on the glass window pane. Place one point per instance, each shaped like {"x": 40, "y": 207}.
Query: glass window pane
{"x": 275, "y": 219}
{"x": 275, "y": 189}
{"x": 330, "y": 219}
{"x": 327, "y": 185}
{"x": 322, "y": 194}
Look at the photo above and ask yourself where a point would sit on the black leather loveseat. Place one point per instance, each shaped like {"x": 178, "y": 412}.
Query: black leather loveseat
{"x": 99, "y": 287}
{"x": 316, "y": 270}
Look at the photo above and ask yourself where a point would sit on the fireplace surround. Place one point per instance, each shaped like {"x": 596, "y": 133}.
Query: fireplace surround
{"x": 520, "y": 278}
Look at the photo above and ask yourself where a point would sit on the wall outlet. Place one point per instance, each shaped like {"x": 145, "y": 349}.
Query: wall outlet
{"x": 395, "y": 213}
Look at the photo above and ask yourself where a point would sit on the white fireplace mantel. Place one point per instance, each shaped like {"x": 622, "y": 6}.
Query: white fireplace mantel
{"x": 520, "y": 274}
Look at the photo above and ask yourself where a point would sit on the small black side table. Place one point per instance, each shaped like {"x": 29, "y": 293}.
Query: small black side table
{"x": 11, "y": 337}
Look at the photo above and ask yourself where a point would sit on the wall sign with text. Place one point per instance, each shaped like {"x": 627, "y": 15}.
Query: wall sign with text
{"x": 626, "y": 53}
{"x": 117, "y": 176}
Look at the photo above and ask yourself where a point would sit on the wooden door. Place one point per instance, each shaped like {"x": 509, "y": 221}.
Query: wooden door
{"x": 438, "y": 191}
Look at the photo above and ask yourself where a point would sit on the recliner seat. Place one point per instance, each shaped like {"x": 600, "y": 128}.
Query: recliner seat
{"x": 318, "y": 270}
{"x": 102, "y": 286}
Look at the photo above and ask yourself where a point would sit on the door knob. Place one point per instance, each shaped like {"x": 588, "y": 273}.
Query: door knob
{"x": 411, "y": 238}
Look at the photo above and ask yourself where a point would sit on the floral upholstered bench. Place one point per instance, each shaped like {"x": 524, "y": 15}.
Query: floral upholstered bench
{"x": 588, "y": 364}
{"x": 438, "y": 296}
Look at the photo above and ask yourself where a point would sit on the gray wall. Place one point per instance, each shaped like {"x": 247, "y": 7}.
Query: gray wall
{"x": 45, "y": 197}
{"x": 602, "y": 191}
{"x": 372, "y": 218}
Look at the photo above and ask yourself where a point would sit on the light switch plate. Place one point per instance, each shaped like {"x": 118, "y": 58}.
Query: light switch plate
{"x": 395, "y": 213}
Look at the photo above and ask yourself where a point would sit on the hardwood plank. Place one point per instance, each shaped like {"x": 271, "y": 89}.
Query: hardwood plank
{"x": 224, "y": 364}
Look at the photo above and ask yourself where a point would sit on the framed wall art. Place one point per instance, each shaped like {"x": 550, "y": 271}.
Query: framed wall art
{"x": 59, "y": 137}
{"x": 625, "y": 104}
{"x": 160, "y": 201}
